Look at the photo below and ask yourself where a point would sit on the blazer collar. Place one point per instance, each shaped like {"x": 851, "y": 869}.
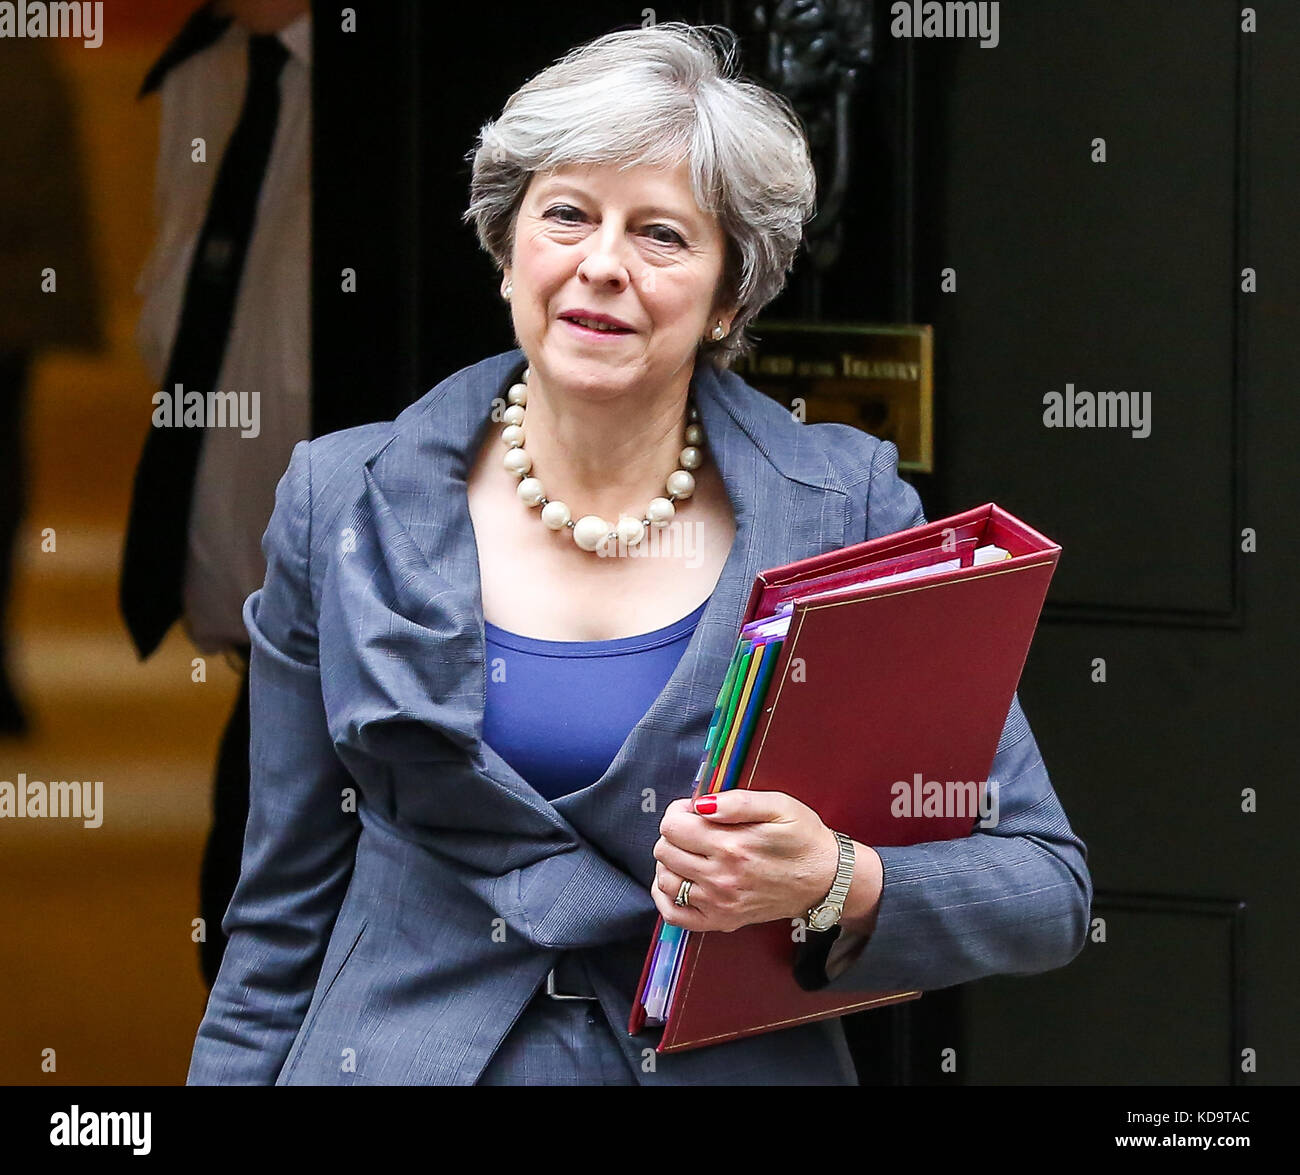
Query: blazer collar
{"x": 788, "y": 505}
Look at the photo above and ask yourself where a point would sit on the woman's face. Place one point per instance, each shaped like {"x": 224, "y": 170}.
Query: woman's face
{"x": 631, "y": 245}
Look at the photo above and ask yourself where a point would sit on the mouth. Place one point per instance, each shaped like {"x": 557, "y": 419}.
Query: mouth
{"x": 601, "y": 326}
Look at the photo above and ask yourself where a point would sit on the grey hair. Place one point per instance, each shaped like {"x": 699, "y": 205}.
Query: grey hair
{"x": 660, "y": 95}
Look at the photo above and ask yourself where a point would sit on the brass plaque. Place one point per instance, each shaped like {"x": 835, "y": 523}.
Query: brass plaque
{"x": 876, "y": 378}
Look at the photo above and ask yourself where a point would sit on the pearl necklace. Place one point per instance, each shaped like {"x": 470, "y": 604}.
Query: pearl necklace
{"x": 591, "y": 531}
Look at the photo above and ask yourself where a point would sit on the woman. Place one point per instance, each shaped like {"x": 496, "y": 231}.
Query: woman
{"x": 491, "y": 633}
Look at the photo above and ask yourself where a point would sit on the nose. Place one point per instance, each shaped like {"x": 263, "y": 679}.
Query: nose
{"x": 604, "y": 262}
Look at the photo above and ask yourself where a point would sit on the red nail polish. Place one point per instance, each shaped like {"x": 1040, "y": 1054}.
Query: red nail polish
{"x": 706, "y": 805}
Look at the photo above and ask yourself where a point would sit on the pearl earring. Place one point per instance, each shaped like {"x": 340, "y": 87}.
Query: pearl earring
{"x": 508, "y": 291}
{"x": 719, "y": 332}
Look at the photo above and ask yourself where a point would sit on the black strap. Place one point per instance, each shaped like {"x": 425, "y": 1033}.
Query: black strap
{"x": 810, "y": 958}
{"x": 154, "y": 556}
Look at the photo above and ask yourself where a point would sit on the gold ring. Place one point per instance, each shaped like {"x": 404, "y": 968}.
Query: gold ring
{"x": 683, "y": 897}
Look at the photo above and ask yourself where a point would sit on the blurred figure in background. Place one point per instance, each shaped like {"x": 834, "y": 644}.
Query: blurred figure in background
{"x": 226, "y": 294}
{"x": 49, "y": 291}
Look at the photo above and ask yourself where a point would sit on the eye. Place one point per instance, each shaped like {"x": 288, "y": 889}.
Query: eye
{"x": 556, "y": 213}
{"x": 673, "y": 237}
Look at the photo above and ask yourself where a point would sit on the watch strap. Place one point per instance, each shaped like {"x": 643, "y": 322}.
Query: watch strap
{"x": 839, "y": 890}
{"x": 844, "y": 873}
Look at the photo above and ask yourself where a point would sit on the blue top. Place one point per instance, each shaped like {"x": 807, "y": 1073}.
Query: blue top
{"x": 558, "y": 711}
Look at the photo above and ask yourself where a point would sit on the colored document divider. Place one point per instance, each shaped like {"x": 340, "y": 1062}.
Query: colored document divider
{"x": 668, "y": 948}
{"x": 746, "y": 702}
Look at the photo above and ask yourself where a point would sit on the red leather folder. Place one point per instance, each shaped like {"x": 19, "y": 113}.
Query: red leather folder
{"x": 894, "y": 680}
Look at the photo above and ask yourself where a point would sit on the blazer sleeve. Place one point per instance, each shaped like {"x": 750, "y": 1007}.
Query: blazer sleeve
{"x": 1014, "y": 898}
{"x": 300, "y": 843}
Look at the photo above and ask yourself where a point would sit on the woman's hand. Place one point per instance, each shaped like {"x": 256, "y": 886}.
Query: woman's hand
{"x": 758, "y": 856}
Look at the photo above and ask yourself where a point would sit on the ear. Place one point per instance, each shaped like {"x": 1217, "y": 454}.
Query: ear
{"x": 727, "y": 312}
{"x": 723, "y": 308}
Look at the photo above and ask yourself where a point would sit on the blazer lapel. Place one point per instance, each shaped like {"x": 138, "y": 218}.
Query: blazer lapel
{"x": 786, "y": 505}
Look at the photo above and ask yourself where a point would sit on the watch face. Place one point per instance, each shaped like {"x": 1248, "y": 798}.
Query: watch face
{"x": 824, "y": 917}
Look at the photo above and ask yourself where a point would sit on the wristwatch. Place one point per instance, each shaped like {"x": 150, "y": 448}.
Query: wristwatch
{"x": 830, "y": 909}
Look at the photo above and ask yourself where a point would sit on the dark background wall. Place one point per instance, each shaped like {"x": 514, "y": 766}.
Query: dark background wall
{"x": 1122, "y": 275}
{"x": 1127, "y": 275}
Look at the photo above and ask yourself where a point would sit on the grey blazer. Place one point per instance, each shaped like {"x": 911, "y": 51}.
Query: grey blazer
{"x": 404, "y": 892}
